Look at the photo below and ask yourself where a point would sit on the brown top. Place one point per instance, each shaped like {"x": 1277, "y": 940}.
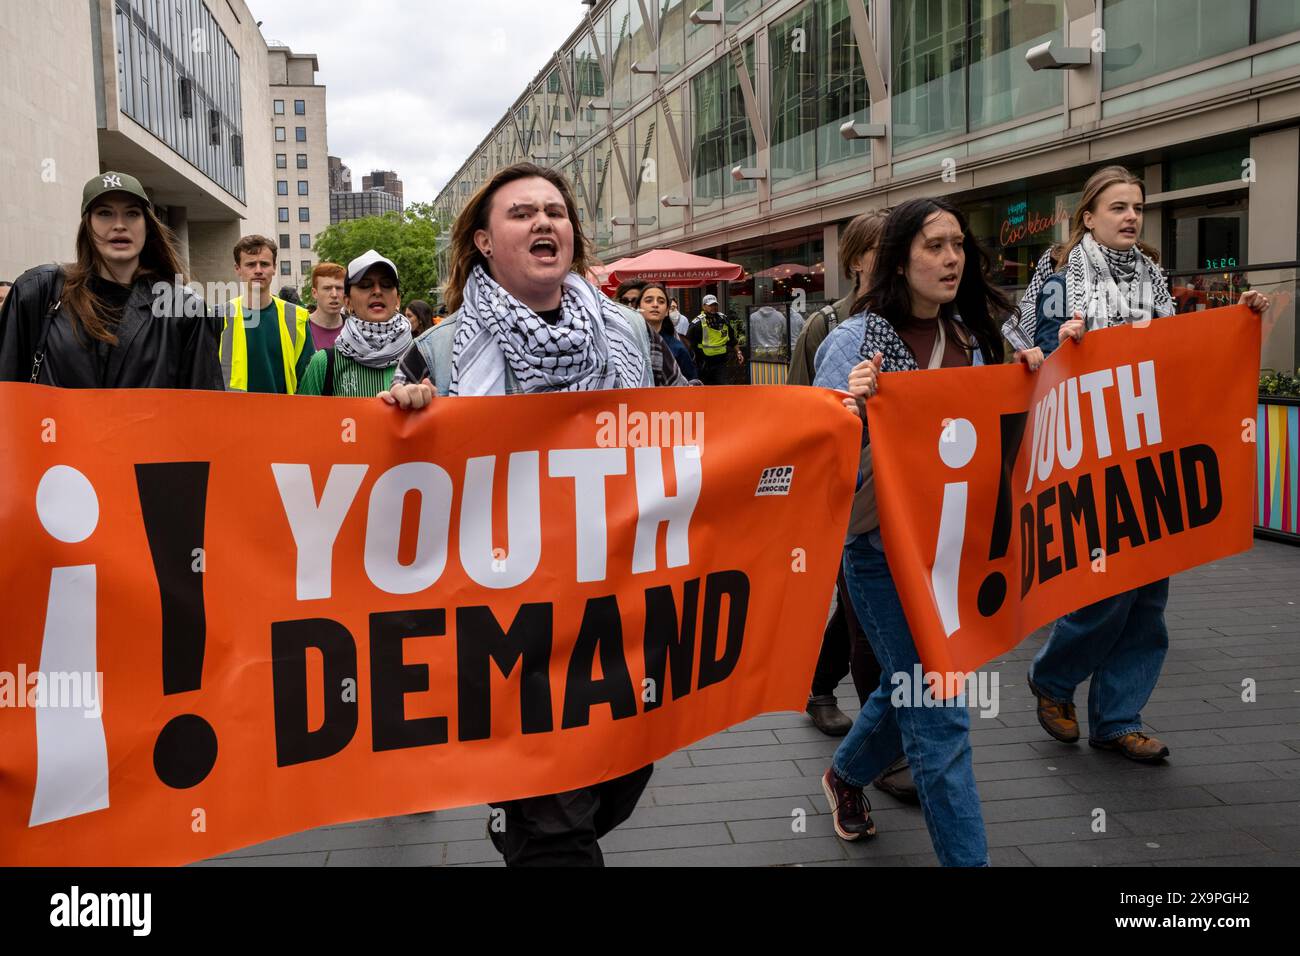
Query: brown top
{"x": 919, "y": 334}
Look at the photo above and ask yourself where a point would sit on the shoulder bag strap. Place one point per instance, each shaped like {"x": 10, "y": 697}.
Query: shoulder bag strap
{"x": 38, "y": 357}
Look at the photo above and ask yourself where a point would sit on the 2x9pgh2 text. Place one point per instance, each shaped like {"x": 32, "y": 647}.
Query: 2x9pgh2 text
{"x": 1176, "y": 490}
{"x": 525, "y": 647}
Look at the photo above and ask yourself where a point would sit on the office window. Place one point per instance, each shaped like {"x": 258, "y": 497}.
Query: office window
{"x": 1002, "y": 85}
{"x": 279, "y": 107}
{"x": 300, "y": 134}
{"x": 304, "y": 240}
{"x": 302, "y": 187}
{"x": 723, "y": 139}
{"x": 279, "y": 134}
{"x": 299, "y": 107}
{"x": 284, "y": 240}
{"x": 959, "y": 65}
{"x": 794, "y": 57}
{"x": 304, "y": 214}
{"x": 282, "y": 187}
{"x": 306, "y": 266}
{"x": 281, "y": 161}
{"x": 1276, "y": 17}
{"x": 286, "y": 268}
{"x": 1148, "y": 37}
{"x": 284, "y": 213}
{"x": 302, "y": 160}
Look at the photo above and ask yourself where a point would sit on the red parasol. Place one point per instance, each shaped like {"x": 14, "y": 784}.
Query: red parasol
{"x": 677, "y": 270}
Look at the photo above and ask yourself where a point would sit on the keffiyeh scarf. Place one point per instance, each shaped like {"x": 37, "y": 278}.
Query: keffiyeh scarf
{"x": 374, "y": 344}
{"x": 1108, "y": 287}
{"x": 590, "y": 347}
{"x": 1019, "y": 330}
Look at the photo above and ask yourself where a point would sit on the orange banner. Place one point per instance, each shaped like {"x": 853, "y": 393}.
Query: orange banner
{"x": 232, "y": 617}
{"x": 1008, "y": 498}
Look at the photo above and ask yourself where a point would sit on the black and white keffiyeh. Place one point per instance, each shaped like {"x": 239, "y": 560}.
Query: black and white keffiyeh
{"x": 374, "y": 344}
{"x": 590, "y": 347}
{"x": 1108, "y": 287}
{"x": 1020, "y": 328}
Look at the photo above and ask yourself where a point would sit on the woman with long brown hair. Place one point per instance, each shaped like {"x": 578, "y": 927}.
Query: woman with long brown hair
{"x": 117, "y": 317}
{"x": 526, "y": 321}
{"x": 1108, "y": 277}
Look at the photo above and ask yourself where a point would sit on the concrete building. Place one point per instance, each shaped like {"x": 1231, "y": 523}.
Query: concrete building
{"x": 359, "y": 205}
{"x": 161, "y": 92}
{"x": 386, "y": 180}
{"x": 753, "y": 130}
{"x": 301, "y": 167}
{"x": 340, "y": 176}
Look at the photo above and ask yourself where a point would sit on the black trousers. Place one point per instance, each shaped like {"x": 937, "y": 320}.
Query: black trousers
{"x": 845, "y": 650}
{"x": 561, "y": 829}
{"x": 713, "y": 369}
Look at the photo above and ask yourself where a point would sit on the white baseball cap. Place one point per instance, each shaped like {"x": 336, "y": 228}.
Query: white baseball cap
{"x": 710, "y": 300}
{"x": 362, "y": 263}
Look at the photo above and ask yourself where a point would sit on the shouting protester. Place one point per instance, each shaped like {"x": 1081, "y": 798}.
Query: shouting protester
{"x": 931, "y": 306}
{"x": 328, "y": 292}
{"x": 373, "y": 339}
{"x": 1120, "y": 642}
{"x": 524, "y": 322}
{"x": 265, "y": 345}
{"x": 99, "y": 322}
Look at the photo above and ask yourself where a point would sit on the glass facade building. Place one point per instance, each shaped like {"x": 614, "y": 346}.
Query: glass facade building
{"x": 757, "y": 137}
{"x": 359, "y": 205}
{"x": 178, "y": 77}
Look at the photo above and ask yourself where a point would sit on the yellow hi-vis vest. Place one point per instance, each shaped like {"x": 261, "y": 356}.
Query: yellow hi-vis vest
{"x": 714, "y": 341}
{"x": 234, "y": 345}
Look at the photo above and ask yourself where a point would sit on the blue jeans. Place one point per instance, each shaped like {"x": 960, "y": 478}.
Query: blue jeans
{"x": 1121, "y": 641}
{"x": 935, "y": 739}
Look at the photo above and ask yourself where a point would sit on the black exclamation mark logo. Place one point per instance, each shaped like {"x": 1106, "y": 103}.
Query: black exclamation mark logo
{"x": 173, "y": 503}
{"x": 993, "y": 591}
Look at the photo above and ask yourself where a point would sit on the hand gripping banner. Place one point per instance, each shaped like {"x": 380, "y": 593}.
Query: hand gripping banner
{"x": 1008, "y": 498}
{"x": 232, "y": 617}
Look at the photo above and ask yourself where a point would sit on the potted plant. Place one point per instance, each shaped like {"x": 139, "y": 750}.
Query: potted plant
{"x": 1277, "y": 477}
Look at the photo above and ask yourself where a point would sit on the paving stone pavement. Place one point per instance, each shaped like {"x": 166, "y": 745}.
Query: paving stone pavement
{"x": 751, "y": 796}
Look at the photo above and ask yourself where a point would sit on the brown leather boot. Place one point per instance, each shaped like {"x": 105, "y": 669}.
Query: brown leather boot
{"x": 896, "y": 780}
{"x": 1136, "y": 746}
{"x": 827, "y": 716}
{"x": 1056, "y": 718}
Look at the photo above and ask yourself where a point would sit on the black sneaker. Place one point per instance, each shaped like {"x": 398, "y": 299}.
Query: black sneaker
{"x": 850, "y": 811}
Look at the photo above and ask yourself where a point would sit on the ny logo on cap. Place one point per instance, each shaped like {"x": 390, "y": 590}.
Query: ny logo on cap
{"x": 112, "y": 182}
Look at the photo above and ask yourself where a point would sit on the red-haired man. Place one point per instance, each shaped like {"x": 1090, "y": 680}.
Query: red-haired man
{"x": 327, "y": 292}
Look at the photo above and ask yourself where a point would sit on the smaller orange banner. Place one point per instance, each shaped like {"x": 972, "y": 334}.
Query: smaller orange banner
{"x": 1008, "y": 497}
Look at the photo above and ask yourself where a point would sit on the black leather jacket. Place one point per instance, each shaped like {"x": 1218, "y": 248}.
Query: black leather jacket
{"x": 175, "y": 350}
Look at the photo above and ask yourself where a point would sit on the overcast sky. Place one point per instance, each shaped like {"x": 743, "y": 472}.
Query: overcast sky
{"x": 415, "y": 85}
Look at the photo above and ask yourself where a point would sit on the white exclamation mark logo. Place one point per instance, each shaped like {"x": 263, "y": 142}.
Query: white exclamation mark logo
{"x": 956, "y": 448}
{"x": 71, "y": 752}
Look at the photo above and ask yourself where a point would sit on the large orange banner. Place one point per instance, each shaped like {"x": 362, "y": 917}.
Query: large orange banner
{"x": 231, "y": 617}
{"x": 1008, "y": 498}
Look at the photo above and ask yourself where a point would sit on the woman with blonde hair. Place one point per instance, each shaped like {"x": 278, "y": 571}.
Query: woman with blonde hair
{"x": 1108, "y": 277}
{"x": 120, "y": 315}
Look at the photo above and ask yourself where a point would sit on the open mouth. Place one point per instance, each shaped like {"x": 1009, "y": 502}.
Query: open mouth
{"x": 950, "y": 279}
{"x": 376, "y": 307}
{"x": 545, "y": 249}
{"x": 120, "y": 243}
